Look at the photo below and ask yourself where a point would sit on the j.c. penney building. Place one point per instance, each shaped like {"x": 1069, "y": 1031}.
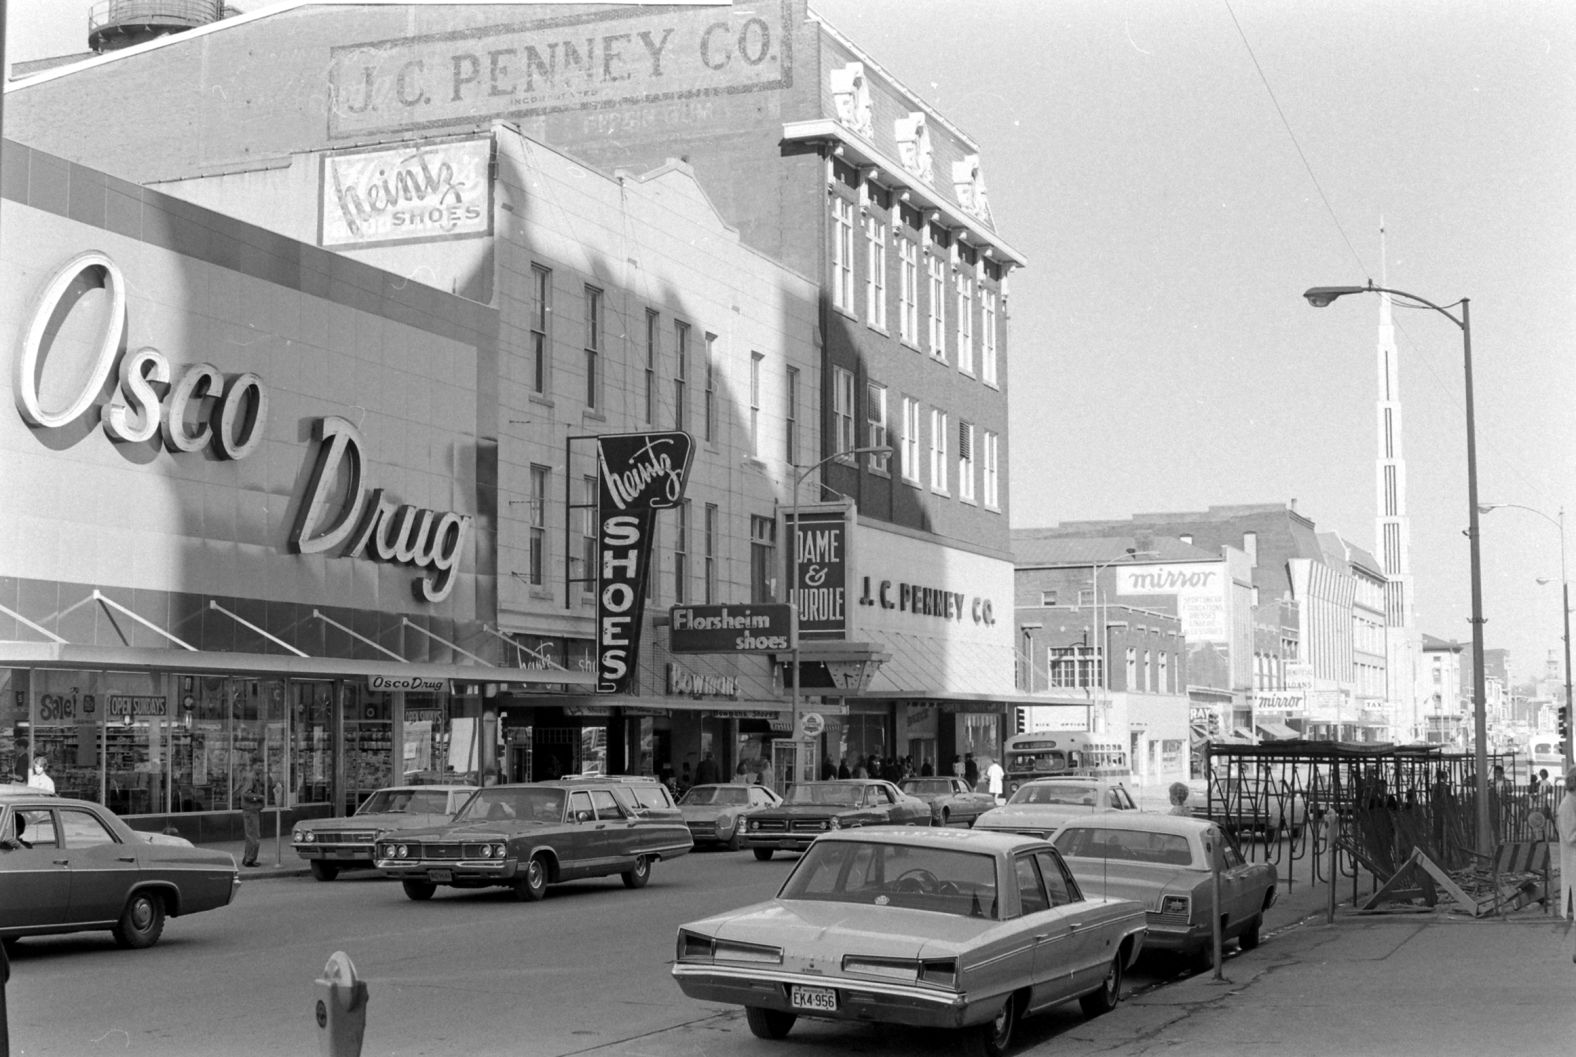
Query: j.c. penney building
{"x": 301, "y": 419}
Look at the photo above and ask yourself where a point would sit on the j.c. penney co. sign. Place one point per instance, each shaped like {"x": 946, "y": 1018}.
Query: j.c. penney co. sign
{"x": 197, "y": 409}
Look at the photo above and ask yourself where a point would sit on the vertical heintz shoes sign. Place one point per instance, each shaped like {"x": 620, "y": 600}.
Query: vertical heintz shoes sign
{"x": 641, "y": 473}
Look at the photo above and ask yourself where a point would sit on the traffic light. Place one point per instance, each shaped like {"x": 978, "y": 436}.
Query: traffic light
{"x": 1565, "y": 722}
{"x": 1020, "y": 720}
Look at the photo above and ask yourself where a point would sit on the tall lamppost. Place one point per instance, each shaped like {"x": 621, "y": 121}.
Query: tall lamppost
{"x": 1565, "y": 598}
{"x": 793, "y": 584}
{"x": 1319, "y": 297}
{"x": 1101, "y": 660}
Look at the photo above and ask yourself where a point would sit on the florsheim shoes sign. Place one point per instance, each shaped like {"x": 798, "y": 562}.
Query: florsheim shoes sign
{"x": 641, "y": 473}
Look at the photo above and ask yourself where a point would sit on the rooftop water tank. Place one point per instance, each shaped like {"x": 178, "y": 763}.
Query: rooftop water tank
{"x": 116, "y": 24}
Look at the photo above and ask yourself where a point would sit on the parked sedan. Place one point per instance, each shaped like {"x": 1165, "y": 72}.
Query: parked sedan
{"x": 950, "y": 799}
{"x": 812, "y": 808}
{"x": 716, "y": 814}
{"x": 1038, "y": 807}
{"x": 525, "y": 837}
{"x": 928, "y": 928}
{"x": 1166, "y": 862}
{"x": 333, "y": 844}
{"x": 74, "y": 866}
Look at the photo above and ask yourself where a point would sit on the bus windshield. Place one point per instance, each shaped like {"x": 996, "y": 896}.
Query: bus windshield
{"x": 1054, "y": 753}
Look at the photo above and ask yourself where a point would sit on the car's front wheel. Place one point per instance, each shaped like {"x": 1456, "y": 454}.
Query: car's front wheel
{"x": 769, "y": 1023}
{"x": 142, "y": 922}
{"x": 531, "y": 886}
{"x": 420, "y": 891}
{"x": 324, "y": 871}
{"x": 637, "y": 875}
{"x": 1110, "y": 993}
{"x": 763, "y": 853}
{"x": 992, "y": 1038}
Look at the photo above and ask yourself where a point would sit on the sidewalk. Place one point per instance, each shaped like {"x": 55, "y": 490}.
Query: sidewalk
{"x": 288, "y": 863}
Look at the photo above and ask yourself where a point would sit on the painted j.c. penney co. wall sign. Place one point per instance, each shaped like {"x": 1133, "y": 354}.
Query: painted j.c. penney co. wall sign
{"x": 201, "y": 410}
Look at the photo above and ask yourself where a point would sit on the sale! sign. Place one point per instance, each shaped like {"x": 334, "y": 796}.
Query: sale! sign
{"x": 641, "y": 473}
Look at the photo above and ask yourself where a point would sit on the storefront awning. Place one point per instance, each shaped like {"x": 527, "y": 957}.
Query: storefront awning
{"x": 280, "y": 666}
{"x": 923, "y": 666}
{"x": 1276, "y": 730}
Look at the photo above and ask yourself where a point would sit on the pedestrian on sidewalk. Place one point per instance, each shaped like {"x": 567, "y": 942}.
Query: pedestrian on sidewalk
{"x": 1178, "y": 794}
{"x": 252, "y": 793}
{"x": 1566, "y": 821}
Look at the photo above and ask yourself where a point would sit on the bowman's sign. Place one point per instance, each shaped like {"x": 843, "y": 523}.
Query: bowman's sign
{"x": 640, "y": 473}
{"x": 730, "y": 629}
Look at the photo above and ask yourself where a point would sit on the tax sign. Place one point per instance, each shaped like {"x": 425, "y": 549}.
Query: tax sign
{"x": 640, "y": 473}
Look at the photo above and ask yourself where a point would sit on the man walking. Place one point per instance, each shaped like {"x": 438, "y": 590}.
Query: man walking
{"x": 251, "y": 793}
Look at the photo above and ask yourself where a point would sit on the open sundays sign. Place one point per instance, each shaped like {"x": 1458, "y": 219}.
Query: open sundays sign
{"x": 640, "y": 473}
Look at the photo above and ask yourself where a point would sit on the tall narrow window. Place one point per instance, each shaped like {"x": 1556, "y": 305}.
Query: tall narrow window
{"x": 680, "y": 370}
{"x": 990, "y": 470}
{"x": 539, "y": 479}
{"x": 938, "y": 450}
{"x": 763, "y": 559}
{"x": 842, "y": 410}
{"x": 937, "y": 307}
{"x": 709, "y": 572}
{"x": 911, "y": 439}
{"x": 876, "y": 424}
{"x": 541, "y": 307}
{"x": 1164, "y": 683}
{"x": 711, "y": 387}
{"x": 965, "y": 322}
{"x": 966, "y": 461}
{"x": 875, "y": 278}
{"x": 908, "y": 290}
{"x": 588, "y": 569}
{"x": 681, "y": 525}
{"x": 988, "y": 335}
{"x": 792, "y": 451}
{"x": 755, "y": 404}
{"x": 842, "y": 253}
{"x": 653, "y": 353}
{"x": 593, "y": 346}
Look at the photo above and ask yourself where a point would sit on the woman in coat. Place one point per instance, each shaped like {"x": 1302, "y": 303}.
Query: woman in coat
{"x": 1566, "y": 820}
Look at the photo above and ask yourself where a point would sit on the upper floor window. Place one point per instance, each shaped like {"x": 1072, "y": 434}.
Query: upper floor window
{"x": 709, "y": 543}
{"x": 681, "y": 552}
{"x": 875, "y": 279}
{"x": 593, "y": 347}
{"x": 937, "y": 320}
{"x": 911, "y": 439}
{"x": 988, "y": 335}
{"x": 876, "y": 424}
{"x": 966, "y": 461}
{"x": 711, "y": 387}
{"x": 990, "y": 469}
{"x": 541, "y": 308}
{"x": 842, "y": 253}
{"x": 680, "y": 370}
{"x": 842, "y": 410}
{"x": 538, "y": 523}
{"x": 938, "y": 450}
{"x": 965, "y": 322}
{"x": 792, "y": 413}
{"x": 653, "y": 352}
{"x": 908, "y": 290}
{"x": 763, "y": 559}
{"x": 755, "y": 403}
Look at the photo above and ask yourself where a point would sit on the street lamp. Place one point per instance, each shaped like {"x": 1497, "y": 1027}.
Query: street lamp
{"x": 793, "y": 585}
{"x": 1319, "y": 297}
{"x": 1565, "y": 591}
{"x": 1101, "y": 660}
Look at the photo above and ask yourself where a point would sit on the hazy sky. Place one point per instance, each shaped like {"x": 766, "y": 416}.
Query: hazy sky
{"x": 1173, "y": 208}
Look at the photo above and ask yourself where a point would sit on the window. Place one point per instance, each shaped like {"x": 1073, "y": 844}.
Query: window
{"x": 988, "y": 336}
{"x": 1073, "y": 667}
{"x": 937, "y": 306}
{"x": 653, "y": 352}
{"x": 842, "y": 253}
{"x": 842, "y": 409}
{"x": 1148, "y": 673}
{"x": 965, "y": 322}
{"x": 875, "y": 279}
{"x": 792, "y": 452}
{"x": 680, "y": 370}
{"x": 588, "y": 546}
{"x": 991, "y": 470}
{"x": 938, "y": 450}
{"x": 911, "y": 439}
{"x": 908, "y": 290}
{"x": 538, "y": 521}
{"x": 709, "y": 543}
{"x": 755, "y": 403}
{"x": 763, "y": 559}
{"x": 876, "y": 424}
{"x": 1132, "y": 669}
{"x": 541, "y": 285}
{"x": 966, "y": 461}
{"x": 710, "y": 410}
{"x": 681, "y": 553}
{"x": 1058, "y": 883}
{"x": 593, "y": 346}
{"x": 1031, "y": 892}
{"x": 1047, "y": 598}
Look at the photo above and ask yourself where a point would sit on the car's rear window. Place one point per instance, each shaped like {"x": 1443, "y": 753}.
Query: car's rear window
{"x": 943, "y": 880}
{"x": 717, "y": 794}
{"x": 502, "y": 803}
{"x": 828, "y": 794}
{"x": 1089, "y": 842}
{"x": 1059, "y": 793}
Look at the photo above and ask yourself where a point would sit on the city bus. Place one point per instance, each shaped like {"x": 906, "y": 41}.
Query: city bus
{"x": 1052, "y": 753}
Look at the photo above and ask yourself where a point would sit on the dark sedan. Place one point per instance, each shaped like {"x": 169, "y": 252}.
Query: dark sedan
{"x": 812, "y": 808}
{"x": 73, "y": 866}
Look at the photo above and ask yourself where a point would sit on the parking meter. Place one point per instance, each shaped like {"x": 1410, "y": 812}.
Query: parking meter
{"x": 340, "y": 1009}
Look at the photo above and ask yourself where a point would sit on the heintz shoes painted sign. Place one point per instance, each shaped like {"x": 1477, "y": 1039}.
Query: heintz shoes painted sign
{"x": 640, "y": 473}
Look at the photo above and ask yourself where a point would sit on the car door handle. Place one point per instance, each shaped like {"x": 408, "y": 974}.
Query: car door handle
{"x": 61, "y": 862}
{"x": 125, "y": 858}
